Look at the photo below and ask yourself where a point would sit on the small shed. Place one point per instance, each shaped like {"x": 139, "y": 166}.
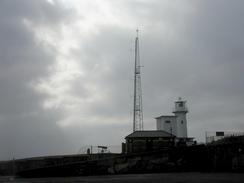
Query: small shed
{"x": 144, "y": 141}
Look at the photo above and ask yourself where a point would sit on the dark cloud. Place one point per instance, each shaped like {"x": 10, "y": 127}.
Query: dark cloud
{"x": 26, "y": 129}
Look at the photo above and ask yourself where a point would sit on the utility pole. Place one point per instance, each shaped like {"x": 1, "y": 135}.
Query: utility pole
{"x": 137, "y": 112}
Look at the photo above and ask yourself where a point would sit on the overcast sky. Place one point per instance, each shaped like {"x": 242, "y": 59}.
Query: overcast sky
{"x": 66, "y": 70}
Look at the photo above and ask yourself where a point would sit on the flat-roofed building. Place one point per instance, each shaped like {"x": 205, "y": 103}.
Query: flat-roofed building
{"x": 151, "y": 140}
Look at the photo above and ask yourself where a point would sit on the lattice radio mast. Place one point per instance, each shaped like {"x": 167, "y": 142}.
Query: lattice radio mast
{"x": 138, "y": 113}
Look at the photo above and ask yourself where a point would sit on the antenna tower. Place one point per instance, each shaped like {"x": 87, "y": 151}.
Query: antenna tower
{"x": 138, "y": 113}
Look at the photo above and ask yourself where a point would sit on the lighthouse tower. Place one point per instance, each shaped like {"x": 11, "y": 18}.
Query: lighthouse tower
{"x": 180, "y": 111}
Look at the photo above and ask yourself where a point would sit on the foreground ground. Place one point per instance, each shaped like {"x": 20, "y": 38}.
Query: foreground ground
{"x": 142, "y": 178}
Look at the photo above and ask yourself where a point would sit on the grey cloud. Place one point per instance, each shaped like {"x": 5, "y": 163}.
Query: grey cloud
{"x": 39, "y": 11}
{"x": 192, "y": 50}
{"x": 25, "y": 128}
{"x": 203, "y": 65}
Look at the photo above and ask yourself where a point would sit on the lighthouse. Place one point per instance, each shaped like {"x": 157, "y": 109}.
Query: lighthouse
{"x": 180, "y": 111}
{"x": 175, "y": 124}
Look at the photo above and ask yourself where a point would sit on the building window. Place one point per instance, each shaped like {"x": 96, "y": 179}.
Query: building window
{"x": 182, "y": 122}
{"x": 181, "y": 104}
{"x": 167, "y": 121}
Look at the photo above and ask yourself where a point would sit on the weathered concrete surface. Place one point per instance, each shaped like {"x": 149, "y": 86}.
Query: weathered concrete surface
{"x": 141, "y": 178}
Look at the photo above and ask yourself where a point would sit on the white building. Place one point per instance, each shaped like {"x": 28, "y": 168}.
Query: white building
{"x": 175, "y": 124}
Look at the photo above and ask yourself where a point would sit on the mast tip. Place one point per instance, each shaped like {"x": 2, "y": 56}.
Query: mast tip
{"x": 137, "y": 32}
